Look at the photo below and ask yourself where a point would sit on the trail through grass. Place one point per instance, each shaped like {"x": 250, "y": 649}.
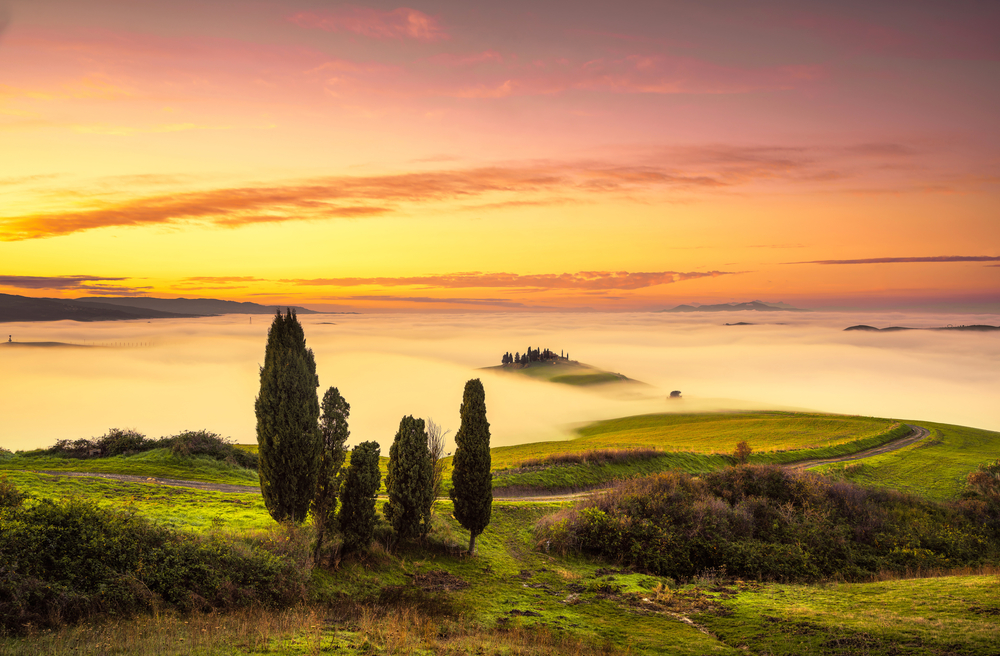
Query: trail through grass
{"x": 159, "y": 463}
{"x": 935, "y": 467}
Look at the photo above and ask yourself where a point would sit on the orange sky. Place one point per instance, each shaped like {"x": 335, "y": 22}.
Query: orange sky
{"x": 502, "y": 156}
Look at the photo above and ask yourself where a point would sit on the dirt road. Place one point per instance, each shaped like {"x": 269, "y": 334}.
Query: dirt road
{"x": 916, "y": 434}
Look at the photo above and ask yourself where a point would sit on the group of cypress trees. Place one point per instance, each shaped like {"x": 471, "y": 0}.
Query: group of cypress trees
{"x": 532, "y": 355}
{"x": 302, "y": 453}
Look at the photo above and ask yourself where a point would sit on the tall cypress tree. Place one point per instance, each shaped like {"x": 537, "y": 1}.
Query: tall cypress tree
{"x": 334, "y": 432}
{"x": 287, "y": 411}
{"x": 357, "y": 503}
{"x": 409, "y": 481}
{"x": 472, "y": 483}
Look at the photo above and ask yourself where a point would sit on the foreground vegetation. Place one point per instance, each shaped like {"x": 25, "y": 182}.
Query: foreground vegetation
{"x": 515, "y": 597}
{"x": 670, "y": 564}
{"x": 770, "y": 523}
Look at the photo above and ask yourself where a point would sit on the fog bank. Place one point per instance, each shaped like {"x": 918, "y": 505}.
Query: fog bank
{"x": 203, "y": 373}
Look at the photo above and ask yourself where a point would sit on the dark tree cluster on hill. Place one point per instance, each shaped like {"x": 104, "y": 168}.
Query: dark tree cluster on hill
{"x": 302, "y": 453}
{"x": 532, "y": 355}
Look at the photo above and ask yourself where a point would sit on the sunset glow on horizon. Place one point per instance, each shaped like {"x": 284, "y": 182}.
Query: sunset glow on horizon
{"x": 510, "y": 156}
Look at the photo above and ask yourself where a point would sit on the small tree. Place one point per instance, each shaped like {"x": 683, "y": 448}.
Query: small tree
{"x": 357, "y": 503}
{"x": 742, "y": 452}
{"x": 472, "y": 483}
{"x": 435, "y": 445}
{"x": 409, "y": 481}
{"x": 334, "y": 431}
{"x": 287, "y": 410}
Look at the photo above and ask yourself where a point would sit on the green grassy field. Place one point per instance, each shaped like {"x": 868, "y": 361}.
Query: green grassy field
{"x": 158, "y": 462}
{"x": 515, "y": 598}
{"x": 690, "y": 442}
{"x": 935, "y": 467}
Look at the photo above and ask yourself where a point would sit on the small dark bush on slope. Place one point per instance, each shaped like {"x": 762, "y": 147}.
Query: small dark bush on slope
{"x": 768, "y": 522}
{"x": 63, "y": 562}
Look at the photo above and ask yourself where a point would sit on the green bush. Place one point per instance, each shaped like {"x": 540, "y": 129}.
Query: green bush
{"x": 770, "y": 523}
{"x": 10, "y": 496}
{"x": 63, "y": 562}
{"x": 207, "y": 443}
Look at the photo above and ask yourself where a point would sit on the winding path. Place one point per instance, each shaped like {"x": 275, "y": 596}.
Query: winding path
{"x": 916, "y": 434}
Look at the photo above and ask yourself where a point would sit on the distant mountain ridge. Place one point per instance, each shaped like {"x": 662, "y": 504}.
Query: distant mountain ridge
{"x": 192, "y": 306}
{"x": 757, "y": 306}
{"x": 26, "y": 308}
{"x": 892, "y": 329}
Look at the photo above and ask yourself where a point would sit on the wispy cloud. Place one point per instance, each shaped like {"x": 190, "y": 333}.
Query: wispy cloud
{"x": 401, "y": 23}
{"x": 97, "y": 285}
{"x": 907, "y": 260}
{"x": 495, "y": 302}
{"x": 582, "y": 280}
{"x": 353, "y": 197}
{"x": 52, "y": 282}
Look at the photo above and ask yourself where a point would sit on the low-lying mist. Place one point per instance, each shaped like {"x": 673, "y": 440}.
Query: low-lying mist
{"x": 173, "y": 375}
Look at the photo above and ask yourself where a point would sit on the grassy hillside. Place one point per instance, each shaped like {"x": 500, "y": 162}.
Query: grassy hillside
{"x": 693, "y": 443}
{"x": 935, "y": 467}
{"x": 517, "y": 598}
{"x": 158, "y": 462}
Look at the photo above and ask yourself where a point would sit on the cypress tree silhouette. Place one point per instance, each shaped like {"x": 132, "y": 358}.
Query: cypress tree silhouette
{"x": 334, "y": 432}
{"x": 409, "y": 480}
{"x": 472, "y": 483}
{"x": 287, "y": 410}
{"x": 357, "y": 503}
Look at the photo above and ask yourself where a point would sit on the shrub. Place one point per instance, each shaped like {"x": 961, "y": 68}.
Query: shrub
{"x": 207, "y": 443}
{"x": 742, "y": 452}
{"x": 119, "y": 441}
{"x": 66, "y": 561}
{"x": 10, "y": 496}
{"x": 768, "y": 522}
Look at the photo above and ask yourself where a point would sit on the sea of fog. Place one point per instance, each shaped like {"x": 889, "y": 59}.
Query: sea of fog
{"x": 164, "y": 376}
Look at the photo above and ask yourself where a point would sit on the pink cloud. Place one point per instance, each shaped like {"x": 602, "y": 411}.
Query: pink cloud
{"x": 401, "y": 23}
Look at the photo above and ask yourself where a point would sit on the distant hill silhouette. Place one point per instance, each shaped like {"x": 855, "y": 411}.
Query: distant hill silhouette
{"x": 757, "y": 306}
{"x": 25, "y": 308}
{"x": 192, "y": 306}
{"x": 893, "y": 329}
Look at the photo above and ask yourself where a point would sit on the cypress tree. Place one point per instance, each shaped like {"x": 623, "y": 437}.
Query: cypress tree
{"x": 287, "y": 410}
{"x": 472, "y": 483}
{"x": 333, "y": 429}
{"x": 409, "y": 480}
{"x": 357, "y": 503}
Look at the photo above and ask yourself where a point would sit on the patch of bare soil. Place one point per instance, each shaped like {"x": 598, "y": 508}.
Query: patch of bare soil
{"x": 439, "y": 581}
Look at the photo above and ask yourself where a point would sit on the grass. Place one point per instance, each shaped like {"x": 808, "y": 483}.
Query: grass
{"x": 156, "y": 463}
{"x": 941, "y": 615}
{"x": 694, "y": 443}
{"x": 935, "y": 467}
{"x": 515, "y": 598}
{"x": 178, "y": 507}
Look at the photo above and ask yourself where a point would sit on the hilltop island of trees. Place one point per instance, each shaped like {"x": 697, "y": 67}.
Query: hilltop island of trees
{"x": 533, "y": 355}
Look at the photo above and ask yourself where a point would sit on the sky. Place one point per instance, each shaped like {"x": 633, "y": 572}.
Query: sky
{"x": 503, "y": 156}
